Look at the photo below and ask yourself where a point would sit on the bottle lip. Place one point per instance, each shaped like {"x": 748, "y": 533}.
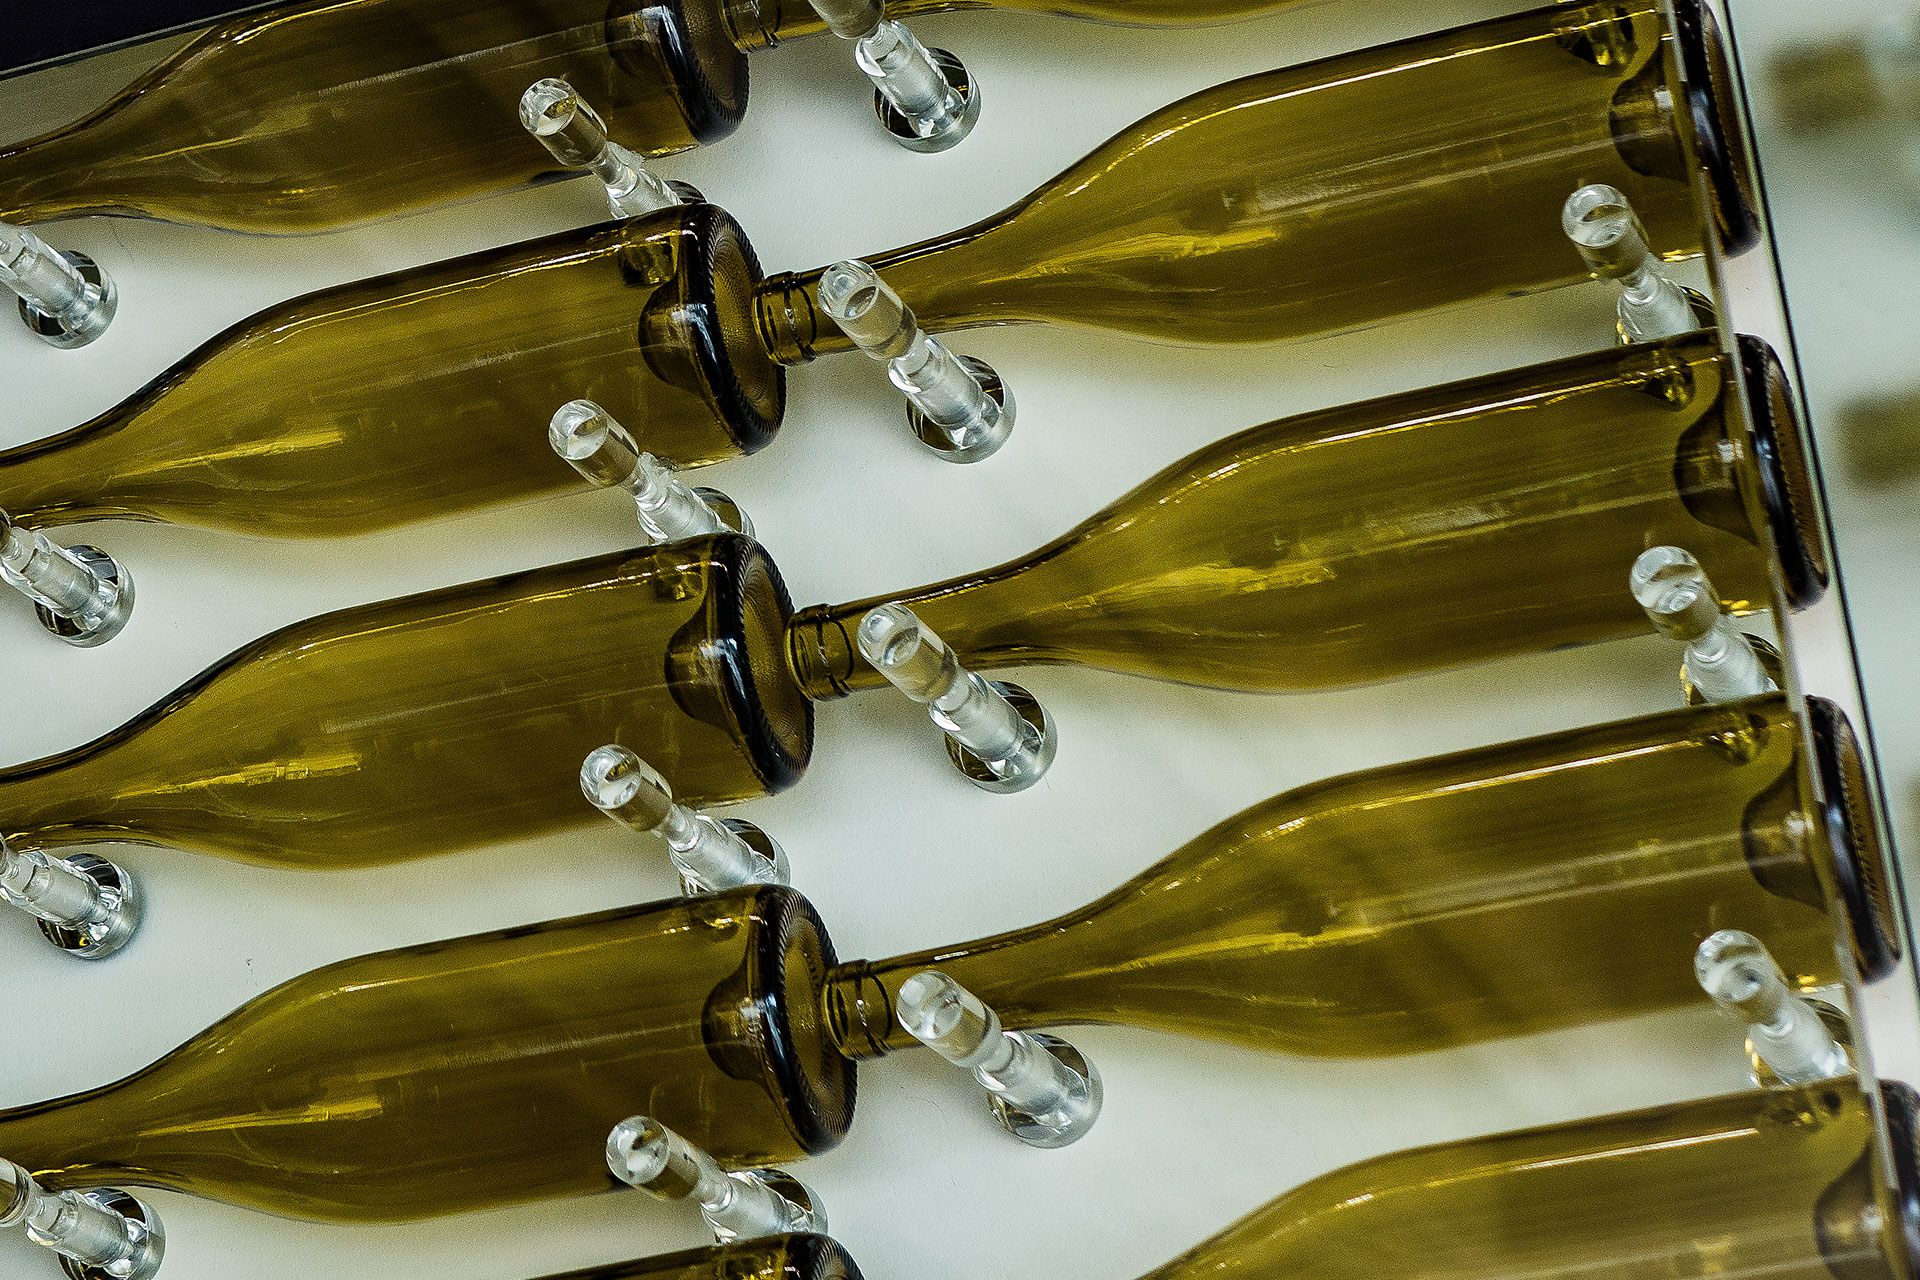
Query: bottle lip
{"x": 1901, "y": 1107}
{"x": 712, "y": 111}
{"x": 743, "y": 565}
{"x": 1787, "y": 485}
{"x": 1719, "y": 134}
{"x": 823, "y": 1109}
{"x": 751, "y": 424}
{"x": 816, "y": 1257}
{"x": 1858, "y": 857}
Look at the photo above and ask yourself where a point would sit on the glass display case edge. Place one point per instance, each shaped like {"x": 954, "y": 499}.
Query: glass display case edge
{"x": 1817, "y": 632}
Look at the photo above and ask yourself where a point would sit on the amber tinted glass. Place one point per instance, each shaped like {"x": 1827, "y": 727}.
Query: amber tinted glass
{"x": 427, "y": 392}
{"x": 1776, "y": 1183}
{"x": 1330, "y": 196}
{"x": 465, "y": 1074}
{"x": 1376, "y": 540}
{"x": 446, "y": 720}
{"x": 1519, "y": 888}
{"x": 324, "y": 114}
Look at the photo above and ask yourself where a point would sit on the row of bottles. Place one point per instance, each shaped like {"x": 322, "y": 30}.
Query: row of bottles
{"x": 471, "y": 722}
{"x": 685, "y": 1046}
{"x": 1493, "y": 893}
{"x": 1212, "y": 221}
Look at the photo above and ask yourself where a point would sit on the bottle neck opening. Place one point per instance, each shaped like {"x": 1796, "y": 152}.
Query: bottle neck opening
{"x": 822, "y": 654}
{"x": 792, "y": 325}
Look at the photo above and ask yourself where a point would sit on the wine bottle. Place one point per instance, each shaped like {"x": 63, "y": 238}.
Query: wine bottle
{"x": 757, "y": 24}
{"x": 449, "y": 719}
{"x": 1282, "y": 205}
{"x": 1327, "y": 197}
{"x": 1518, "y": 888}
{"x": 1547, "y": 883}
{"x": 1497, "y": 516}
{"x": 1787, "y": 1183}
{"x": 316, "y": 115}
{"x": 313, "y": 116}
{"x": 790, "y": 1257}
{"x": 311, "y": 418}
{"x": 483, "y": 1071}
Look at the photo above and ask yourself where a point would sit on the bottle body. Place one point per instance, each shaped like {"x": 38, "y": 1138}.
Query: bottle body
{"x": 426, "y": 392}
{"x": 1778, "y": 1182}
{"x": 1386, "y": 538}
{"x": 1327, "y": 197}
{"x": 446, "y": 720}
{"x": 790, "y": 1257}
{"x": 318, "y": 115}
{"x": 762, "y": 23}
{"x": 480, "y": 1071}
{"x": 1514, "y": 889}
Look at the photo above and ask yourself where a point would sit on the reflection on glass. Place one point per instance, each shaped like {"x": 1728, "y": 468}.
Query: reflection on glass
{"x": 1880, "y": 440}
{"x": 1549, "y": 883}
{"x": 1493, "y": 517}
{"x": 1285, "y": 205}
{"x": 1872, "y": 74}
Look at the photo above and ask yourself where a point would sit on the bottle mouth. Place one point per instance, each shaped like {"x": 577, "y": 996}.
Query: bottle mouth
{"x": 817, "y": 1257}
{"x": 798, "y": 955}
{"x": 1787, "y": 486}
{"x": 1713, "y": 115}
{"x": 1901, "y": 1106}
{"x": 1857, "y": 856}
{"x": 775, "y": 718}
{"x": 703, "y": 334}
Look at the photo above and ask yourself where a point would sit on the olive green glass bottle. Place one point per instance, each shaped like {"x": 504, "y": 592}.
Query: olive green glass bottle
{"x": 1554, "y": 882}
{"x": 1330, "y": 196}
{"x": 1524, "y": 887}
{"x": 446, "y": 720}
{"x": 320, "y": 114}
{"x": 761, "y": 23}
{"x": 1786, "y": 1183}
{"x": 317, "y": 115}
{"x": 483, "y": 1071}
{"x": 427, "y": 392}
{"x": 1299, "y": 202}
{"x": 1493, "y": 517}
{"x": 794, "y": 1257}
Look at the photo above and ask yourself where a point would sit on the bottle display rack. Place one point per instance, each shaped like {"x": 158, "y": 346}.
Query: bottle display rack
{"x": 895, "y": 848}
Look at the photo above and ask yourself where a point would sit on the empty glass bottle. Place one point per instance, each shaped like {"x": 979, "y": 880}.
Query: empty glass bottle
{"x": 1493, "y": 517}
{"x": 482, "y": 1071}
{"x": 1330, "y": 196}
{"x": 1519, "y": 888}
{"x": 311, "y": 116}
{"x": 790, "y": 1257}
{"x": 426, "y": 392}
{"x": 449, "y": 719}
{"x": 1554, "y": 882}
{"x": 1297, "y": 202}
{"x": 1785, "y": 1183}
{"x": 317, "y": 114}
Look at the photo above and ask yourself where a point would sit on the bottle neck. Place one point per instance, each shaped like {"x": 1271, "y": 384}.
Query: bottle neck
{"x": 42, "y": 179}
{"x": 761, "y": 24}
{"x": 68, "y": 1142}
{"x": 38, "y": 801}
{"x": 966, "y": 613}
{"x": 63, "y": 479}
{"x": 938, "y": 278}
{"x": 859, "y": 998}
